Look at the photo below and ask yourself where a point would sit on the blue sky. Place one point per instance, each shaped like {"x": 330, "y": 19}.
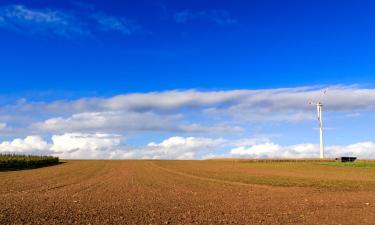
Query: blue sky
{"x": 209, "y": 76}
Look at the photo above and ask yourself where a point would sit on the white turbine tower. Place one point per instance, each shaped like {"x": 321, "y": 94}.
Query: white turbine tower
{"x": 319, "y": 108}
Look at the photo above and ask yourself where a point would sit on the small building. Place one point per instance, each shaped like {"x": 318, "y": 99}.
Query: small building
{"x": 346, "y": 159}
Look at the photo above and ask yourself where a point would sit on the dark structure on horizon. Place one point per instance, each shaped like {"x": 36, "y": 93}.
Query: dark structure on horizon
{"x": 346, "y": 159}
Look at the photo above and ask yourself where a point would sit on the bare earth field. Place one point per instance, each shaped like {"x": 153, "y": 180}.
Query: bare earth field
{"x": 188, "y": 192}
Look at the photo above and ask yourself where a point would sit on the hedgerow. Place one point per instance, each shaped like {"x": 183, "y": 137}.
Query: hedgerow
{"x": 15, "y": 161}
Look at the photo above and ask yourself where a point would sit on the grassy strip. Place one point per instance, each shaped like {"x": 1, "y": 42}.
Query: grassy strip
{"x": 17, "y": 162}
{"x": 350, "y": 164}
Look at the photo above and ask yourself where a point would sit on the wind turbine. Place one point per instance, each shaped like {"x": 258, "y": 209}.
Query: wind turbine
{"x": 319, "y": 109}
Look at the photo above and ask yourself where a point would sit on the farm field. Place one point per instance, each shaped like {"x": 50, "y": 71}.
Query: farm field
{"x": 189, "y": 192}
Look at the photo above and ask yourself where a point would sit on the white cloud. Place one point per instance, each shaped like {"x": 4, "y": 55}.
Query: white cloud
{"x": 189, "y": 111}
{"x": 249, "y": 141}
{"x": 68, "y": 146}
{"x": 338, "y": 98}
{"x": 86, "y": 146}
{"x": 68, "y": 24}
{"x": 108, "y": 146}
{"x": 29, "y": 145}
{"x": 126, "y": 121}
{"x": 178, "y": 148}
{"x": 248, "y": 115}
{"x": 41, "y": 21}
{"x": 264, "y": 150}
{"x": 362, "y": 149}
{"x": 272, "y": 150}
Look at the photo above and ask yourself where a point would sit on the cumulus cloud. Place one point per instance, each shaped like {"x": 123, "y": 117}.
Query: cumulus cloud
{"x": 109, "y": 146}
{"x": 68, "y": 145}
{"x": 29, "y": 145}
{"x": 219, "y": 17}
{"x": 68, "y": 24}
{"x": 86, "y": 146}
{"x": 272, "y": 150}
{"x": 174, "y": 148}
{"x": 179, "y": 147}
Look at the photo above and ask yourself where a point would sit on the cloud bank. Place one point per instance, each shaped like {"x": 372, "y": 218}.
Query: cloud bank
{"x": 184, "y": 110}
{"x": 337, "y": 98}
{"x": 109, "y": 146}
{"x": 272, "y": 150}
{"x": 200, "y": 123}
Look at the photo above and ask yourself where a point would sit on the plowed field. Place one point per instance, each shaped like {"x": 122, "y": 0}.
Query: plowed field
{"x": 188, "y": 192}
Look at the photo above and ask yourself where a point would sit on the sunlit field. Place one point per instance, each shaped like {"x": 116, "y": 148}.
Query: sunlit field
{"x": 185, "y": 192}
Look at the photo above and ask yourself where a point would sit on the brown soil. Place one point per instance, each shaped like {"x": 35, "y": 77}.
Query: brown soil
{"x": 157, "y": 192}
